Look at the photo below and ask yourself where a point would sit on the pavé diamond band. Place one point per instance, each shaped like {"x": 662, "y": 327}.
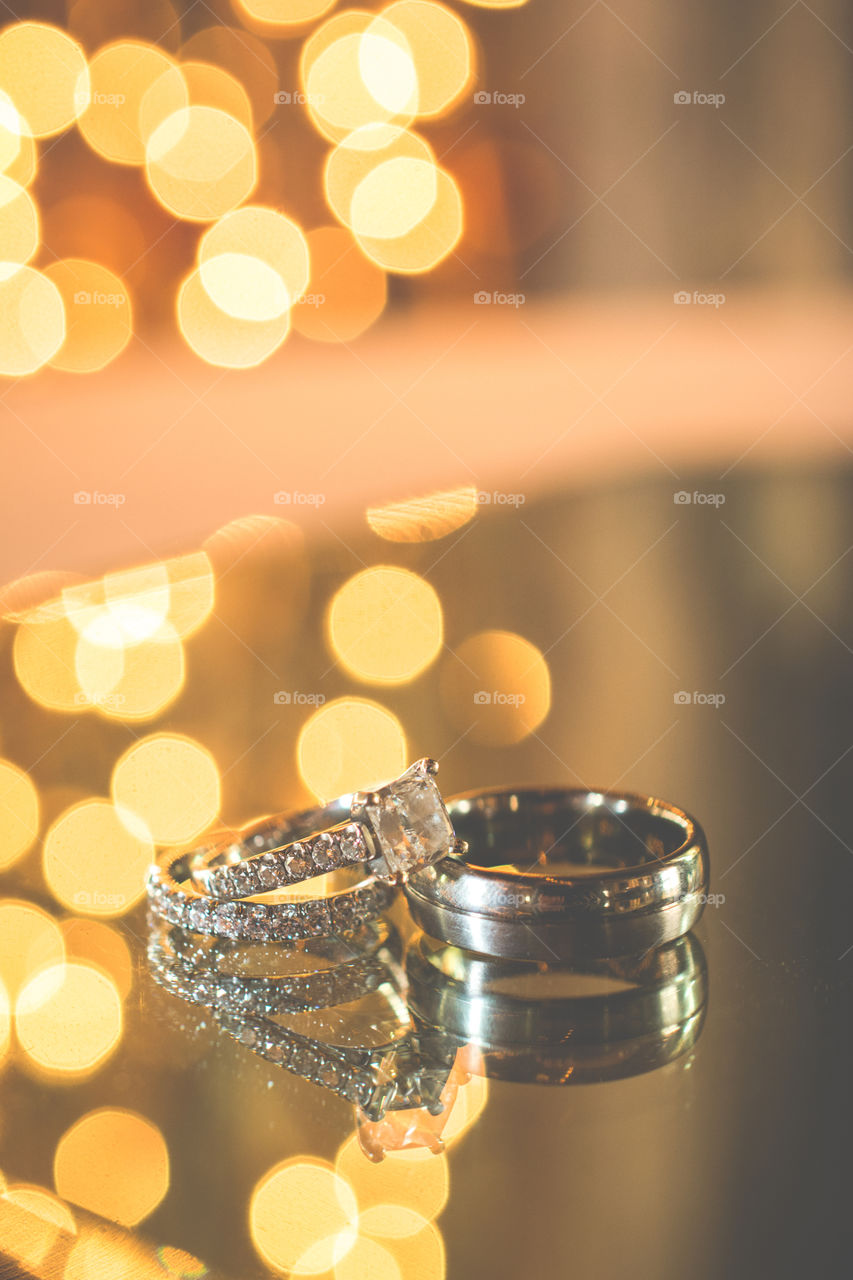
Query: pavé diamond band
{"x": 557, "y": 873}
{"x": 391, "y": 832}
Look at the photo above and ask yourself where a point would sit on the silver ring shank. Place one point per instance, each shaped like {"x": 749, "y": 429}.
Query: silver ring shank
{"x": 646, "y": 881}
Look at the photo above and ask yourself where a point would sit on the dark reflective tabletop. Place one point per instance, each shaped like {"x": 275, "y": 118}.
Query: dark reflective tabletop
{"x": 687, "y": 1115}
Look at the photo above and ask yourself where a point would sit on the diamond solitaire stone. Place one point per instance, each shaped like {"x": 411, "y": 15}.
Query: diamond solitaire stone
{"x": 410, "y": 824}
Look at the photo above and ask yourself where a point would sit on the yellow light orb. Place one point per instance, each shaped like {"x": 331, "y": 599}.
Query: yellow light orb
{"x": 19, "y": 222}
{"x": 347, "y": 292}
{"x": 99, "y": 320}
{"x": 18, "y": 154}
{"x": 400, "y": 1193}
{"x": 122, "y": 73}
{"x": 350, "y": 744}
{"x": 361, "y": 151}
{"x": 171, "y": 783}
{"x": 394, "y": 198}
{"x": 285, "y": 13}
{"x": 100, "y": 945}
{"x": 302, "y": 1217}
{"x": 424, "y": 519}
{"x": 152, "y": 676}
{"x": 279, "y": 263}
{"x": 43, "y": 653}
{"x": 429, "y": 242}
{"x": 212, "y": 86}
{"x": 45, "y": 1216}
{"x": 19, "y": 805}
{"x": 114, "y": 1163}
{"x": 95, "y": 859}
{"x": 222, "y": 339}
{"x": 385, "y": 625}
{"x": 368, "y": 1258}
{"x": 69, "y": 1019}
{"x": 32, "y": 320}
{"x": 44, "y": 72}
{"x": 442, "y": 52}
{"x": 30, "y": 942}
{"x": 357, "y": 70}
{"x": 496, "y": 686}
{"x": 201, "y": 163}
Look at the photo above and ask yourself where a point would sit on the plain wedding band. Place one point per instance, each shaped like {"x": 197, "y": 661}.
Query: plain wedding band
{"x": 635, "y": 877}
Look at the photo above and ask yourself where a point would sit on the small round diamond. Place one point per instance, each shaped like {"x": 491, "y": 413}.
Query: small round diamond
{"x": 225, "y": 921}
{"x": 198, "y": 916}
{"x": 325, "y": 853}
{"x": 243, "y": 880}
{"x": 297, "y": 862}
{"x": 268, "y": 873}
{"x": 352, "y": 844}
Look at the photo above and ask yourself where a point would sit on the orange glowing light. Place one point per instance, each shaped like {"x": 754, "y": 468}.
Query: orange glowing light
{"x": 347, "y": 292}
{"x": 52, "y": 1217}
{"x": 18, "y": 154}
{"x": 171, "y": 783}
{"x": 424, "y": 519}
{"x": 19, "y": 222}
{"x": 122, "y": 73}
{"x": 5, "y": 1026}
{"x": 429, "y": 241}
{"x": 30, "y": 943}
{"x": 497, "y": 687}
{"x": 263, "y": 263}
{"x": 385, "y": 625}
{"x": 44, "y": 72}
{"x": 99, "y": 320}
{"x": 152, "y": 676}
{"x": 68, "y": 1019}
{"x": 285, "y": 13}
{"x": 201, "y": 163}
{"x": 368, "y": 1258}
{"x": 114, "y": 1163}
{"x": 350, "y": 744}
{"x": 25, "y": 595}
{"x": 95, "y": 859}
{"x": 246, "y": 58}
{"x": 102, "y": 946}
{"x": 302, "y": 1217}
{"x": 222, "y": 339}
{"x": 212, "y": 86}
{"x": 19, "y": 813}
{"x": 398, "y": 1194}
{"x": 43, "y": 653}
{"x": 32, "y": 320}
{"x": 394, "y": 198}
{"x": 442, "y": 51}
{"x": 359, "y": 153}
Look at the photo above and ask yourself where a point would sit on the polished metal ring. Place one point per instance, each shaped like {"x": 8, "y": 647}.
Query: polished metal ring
{"x": 555, "y": 874}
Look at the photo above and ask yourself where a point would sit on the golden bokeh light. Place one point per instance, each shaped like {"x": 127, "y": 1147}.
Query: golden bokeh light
{"x": 122, "y": 73}
{"x": 385, "y": 625}
{"x": 246, "y": 58}
{"x": 357, "y": 70}
{"x": 68, "y": 1019}
{"x": 52, "y": 1218}
{"x": 19, "y": 222}
{"x": 44, "y": 72}
{"x": 171, "y": 783}
{"x": 102, "y": 946}
{"x": 43, "y": 653}
{"x": 496, "y": 4}
{"x": 212, "y": 86}
{"x": 152, "y": 676}
{"x": 222, "y": 339}
{"x": 285, "y": 13}
{"x": 30, "y": 943}
{"x": 442, "y": 51}
{"x": 98, "y": 315}
{"x": 19, "y": 813}
{"x": 18, "y": 152}
{"x": 361, "y": 151}
{"x": 103, "y": 1252}
{"x": 430, "y": 241}
{"x": 114, "y": 1163}
{"x": 302, "y": 1217}
{"x": 180, "y": 1264}
{"x": 424, "y": 519}
{"x": 422, "y": 1255}
{"x": 96, "y": 22}
{"x": 95, "y": 859}
{"x": 25, "y": 595}
{"x": 192, "y": 591}
{"x": 497, "y": 687}
{"x": 32, "y": 320}
{"x": 368, "y": 1258}
{"x": 348, "y": 292}
{"x": 394, "y": 198}
{"x": 467, "y": 1108}
{"x": 271, "y": 263}
{"x": 398, "y": 1194}
{"x": 201, "y": 163}
{"x": 350, "y": 744}
{"x": 5, "y": 1025}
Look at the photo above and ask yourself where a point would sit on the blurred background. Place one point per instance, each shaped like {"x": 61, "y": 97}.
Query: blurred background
{"x": 469, "y": 380}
